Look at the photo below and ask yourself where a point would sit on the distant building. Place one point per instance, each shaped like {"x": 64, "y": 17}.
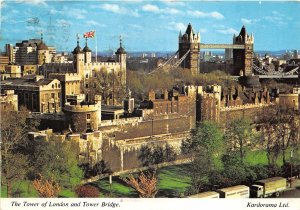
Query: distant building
{"x": 228, "y": 54}
{"x": 291, "y": 100}
{"x": 296, "y": 55}
{"x": 30, "y": 52}
{"x": 11, "y": 71}
{"x": 8, "y": 101}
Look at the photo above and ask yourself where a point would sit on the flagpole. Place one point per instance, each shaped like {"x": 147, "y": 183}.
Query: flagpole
{"x": 96, "y": 45}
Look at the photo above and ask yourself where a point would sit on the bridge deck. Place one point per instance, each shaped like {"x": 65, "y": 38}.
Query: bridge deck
{"x": 221, "y": 46}
{"x": 278, "y": 76}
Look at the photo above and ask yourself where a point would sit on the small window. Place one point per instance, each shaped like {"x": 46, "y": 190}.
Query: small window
{"x": 52, "y": 95}
{"x": 86, "y": 76}
{"x": 58, "y": 85}
{"x": 55, "y": 85}
{"x": 86, "y": 85}
{"x": 52, "y": 85}
{"x": 88, "y": 125}
{"x": 88, "y": 116}
{"x": 95, "y": 85}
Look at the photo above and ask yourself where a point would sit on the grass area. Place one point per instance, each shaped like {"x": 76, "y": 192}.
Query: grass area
{"x": 173, "y": 181}
{"x": 24, "y": 189}
{"x": 117, "y": 189}
{"x": 260, "y": 157}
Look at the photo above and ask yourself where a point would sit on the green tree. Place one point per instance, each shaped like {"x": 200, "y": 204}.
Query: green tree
{"x": 57, "y": 160}
{"x": 210, "y": 137}
{"x": 14, "y": 140}
{"x": 199, "y": 170}
{"x": 239, "y": 137}
{"x": 280, "y": 130}
{"x": 153, "y": 155}
{"x": 203, "y": 149}
{"x": 170, "y": 153}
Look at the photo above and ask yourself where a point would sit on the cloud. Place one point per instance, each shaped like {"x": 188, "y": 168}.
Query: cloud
{"x": 37, "y": 30}
{"x": 246, "y": 21}
{"x": 203, "y": 30}
{"x": 94, "y": 23}
{"x": 74, "y": 12}
{"x": 228, "y": 31}
{"x": 135, "y": 26}
{"x": 150, "y": 8}
{"x": 33, "y": 2}
{"x": 115, "y": 8}
{"x": 173, "y": 2}
{"x": 177, "y": 26}
{"x": 214, "y": 14}
{"x": 63, "y": 22}
{"x": 155, "y": 9}
{"x": 2, "y": 4}
{"x": 14, "y": 11}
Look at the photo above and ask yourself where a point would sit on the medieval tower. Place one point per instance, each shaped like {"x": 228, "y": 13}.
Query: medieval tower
{"x": 121, "y": 59}
{"x": 189, "y": 43}
{"x": 243, "y": 58}
{"x": 87, "y": 53}
{"x": 78, "y": 59}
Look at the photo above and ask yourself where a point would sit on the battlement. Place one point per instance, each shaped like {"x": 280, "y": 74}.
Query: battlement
{"x": 122, "y": 121}
{"x": 81, "y": 107}
{"x": 100, "y": 64}
{"x": 244, "y": 106}
{"x": 65, "y": 76}
{"x": 59, "y": 65}
{"x": 189, "y": 38}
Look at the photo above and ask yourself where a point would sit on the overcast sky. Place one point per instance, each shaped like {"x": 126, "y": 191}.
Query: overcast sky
{"x": 150, "y": 25}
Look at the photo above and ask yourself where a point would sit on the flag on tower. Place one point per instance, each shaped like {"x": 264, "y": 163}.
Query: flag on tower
{"x": 89, "y": 34}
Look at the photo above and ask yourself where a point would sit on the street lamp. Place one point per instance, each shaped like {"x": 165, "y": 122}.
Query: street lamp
{"x": 291, "y": 166}
{"x": 110, "y": 183}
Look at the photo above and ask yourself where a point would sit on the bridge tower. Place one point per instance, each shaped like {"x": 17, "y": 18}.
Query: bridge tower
{"x": 243, "y": 58}
{"x": 190, "y": 42}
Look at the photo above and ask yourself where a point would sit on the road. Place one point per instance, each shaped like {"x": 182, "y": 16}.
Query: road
{"x": 295, "y": 193}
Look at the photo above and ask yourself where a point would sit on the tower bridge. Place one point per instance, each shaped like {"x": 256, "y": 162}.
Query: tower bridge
{"x": 188, "y": 55}
{"x": 221, "y": 46}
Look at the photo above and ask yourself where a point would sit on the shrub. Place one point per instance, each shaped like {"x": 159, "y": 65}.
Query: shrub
{"x": 87, "y": 191}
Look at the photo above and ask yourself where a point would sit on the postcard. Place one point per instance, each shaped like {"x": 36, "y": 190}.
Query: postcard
{"x": 129, "y": 104}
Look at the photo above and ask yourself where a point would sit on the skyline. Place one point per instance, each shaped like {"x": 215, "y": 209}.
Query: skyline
{"x": 149, "y": 25}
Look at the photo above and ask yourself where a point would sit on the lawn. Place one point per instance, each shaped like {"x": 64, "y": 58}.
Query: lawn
{"x": 260, "y": 157}
{"x": 172, "y": 181}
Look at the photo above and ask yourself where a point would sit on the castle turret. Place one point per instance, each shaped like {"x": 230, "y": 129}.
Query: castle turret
{"x": 121, "y": 55}
{"x": 78, "y": 58}
{"x": 243, "y": 58}
{"x": 43, "y": 55}
{"x": 189, "y": 43}
{"x": 87, "y": 53}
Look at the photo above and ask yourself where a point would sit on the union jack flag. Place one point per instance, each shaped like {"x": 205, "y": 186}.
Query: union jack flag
{"x": 89, "y": 34}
